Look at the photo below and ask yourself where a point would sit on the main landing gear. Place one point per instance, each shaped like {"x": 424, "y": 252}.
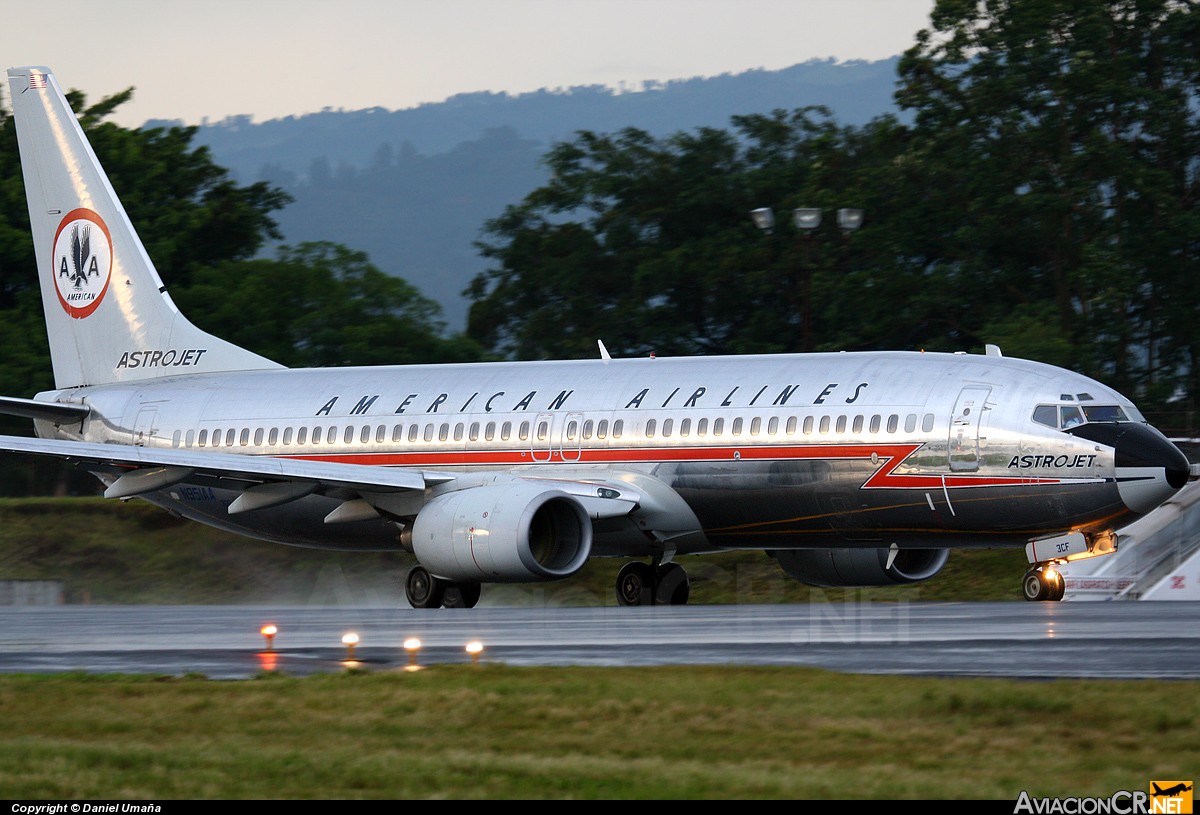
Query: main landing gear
{"x": 1043, "y": 583}
{"x": 423, "y": 590}
{"x": 640, "y": 584}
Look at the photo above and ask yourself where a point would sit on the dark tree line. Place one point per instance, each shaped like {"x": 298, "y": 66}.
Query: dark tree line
{"x": 1044, "y": 199}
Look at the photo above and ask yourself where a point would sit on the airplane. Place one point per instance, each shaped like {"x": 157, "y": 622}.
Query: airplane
{"x": 849, "y": 469}
{"x": 1171, "y": 791}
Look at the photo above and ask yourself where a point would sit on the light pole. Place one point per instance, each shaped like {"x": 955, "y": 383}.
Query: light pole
{"x": 806, "y": 220}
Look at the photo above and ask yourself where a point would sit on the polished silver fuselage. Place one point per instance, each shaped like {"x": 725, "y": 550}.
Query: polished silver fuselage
{"x": 766, "y": 452}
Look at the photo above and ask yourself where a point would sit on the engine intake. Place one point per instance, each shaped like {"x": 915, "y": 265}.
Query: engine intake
{"x": 830, "y": 568}
{"x": 514, "y": 532}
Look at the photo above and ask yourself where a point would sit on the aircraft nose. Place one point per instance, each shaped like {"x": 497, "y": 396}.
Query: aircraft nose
{"x": 1149, "y": 468}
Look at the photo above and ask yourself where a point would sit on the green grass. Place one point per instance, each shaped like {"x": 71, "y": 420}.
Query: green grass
{"x": 131, "y": 552}
{"x": 493, "y": 731}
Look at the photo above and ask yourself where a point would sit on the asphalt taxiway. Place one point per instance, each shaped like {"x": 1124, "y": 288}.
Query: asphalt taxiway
{"x": 1028, "y": 640}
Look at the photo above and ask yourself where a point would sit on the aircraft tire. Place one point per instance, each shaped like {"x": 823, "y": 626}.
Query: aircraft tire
{"x": 1036, "y": 585}
{"x": 671, "y": 585}
{"x": 422, "y": 589}
{"x": 1032, "y": 586}
{"x": 635, "y": 584}
{"x": 462, "y": 595}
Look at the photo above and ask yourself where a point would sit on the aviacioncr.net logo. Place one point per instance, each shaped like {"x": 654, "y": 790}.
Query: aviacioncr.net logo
{"x": 82, "y": 262}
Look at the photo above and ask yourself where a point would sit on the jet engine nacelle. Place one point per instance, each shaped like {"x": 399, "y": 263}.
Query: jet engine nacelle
{"x": 501, "y": 533}
{"x": 829, "y": 568}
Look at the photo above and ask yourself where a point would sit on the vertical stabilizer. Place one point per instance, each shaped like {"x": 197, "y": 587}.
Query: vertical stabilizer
{"x": 108, "y": 315}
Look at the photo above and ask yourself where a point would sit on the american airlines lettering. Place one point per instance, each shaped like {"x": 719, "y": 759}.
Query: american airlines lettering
{"x": 638, "y": 400}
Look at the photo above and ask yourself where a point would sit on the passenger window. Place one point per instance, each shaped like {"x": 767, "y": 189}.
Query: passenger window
{"x": 685, "y": 427}
{"x": 316, "y": 439}
{"x": 428, "y": 432}
{"x": 602, "y": 429}
{"x": 489, "y": 432}
{"x": 667, "y": 427}
{"x": 331, "y": 435}
{"x": 808, "y": 425}
{"x": 718, "y": 426}
{"x": 755, "y": 426}
{"x": 702, "y": 427}
{"x": 927, "y": 423}
{"x": 791, "y": 426}
{"x": 858, "y": 424}
{"x": 824, "y": 426}
{"x": 175, "y": 438}
{"x": 398, "y": 432}
{"x": 413, "y": 431}
{"x": 473, "y": 434}
{"x": 302, "y": 435}
{"x": 893, "y": 423}
{"x": 348, "y": 434}
{"x": 587, "y": 429}
{"x": 650, "y": 429}
{"x": 287, "y": 436}
{"x": 458, "y": 431}
{"x": 203, "y": 437}
{"x": 572, "y": 429}
{"x": 618, "y": 428}
{"x": 273, "y": 437}
{"x": 505, "y": 431}
{"x": 187, "y": 440}
{"x": 737, "y": 426}
{"x": 910, "y": 423}
{"x": 876, "y": 421}
{"x": 523, "y": 434}
{"x": 444, "y": 431}
{"x": 244, "y": 438}
{"x": 841, "y": 424}
{"x": 364, "y": 435}
{"x": 773, "y": 426}
{"x": 380, "y": 434}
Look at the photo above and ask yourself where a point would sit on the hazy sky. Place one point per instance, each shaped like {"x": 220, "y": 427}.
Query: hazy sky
{"x": 269, "y": 58}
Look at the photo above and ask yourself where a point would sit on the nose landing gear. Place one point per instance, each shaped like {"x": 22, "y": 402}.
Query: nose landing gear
{"x": 1043, "y": 583}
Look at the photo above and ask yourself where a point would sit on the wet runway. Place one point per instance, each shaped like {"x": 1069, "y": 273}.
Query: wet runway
{"x": 1028, "y": 640}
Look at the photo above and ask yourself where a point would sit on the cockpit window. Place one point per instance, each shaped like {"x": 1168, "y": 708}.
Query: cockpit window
{"x": 1047, "y": 415}
{"x": 1063, "y": 417}
{"x": 1071, "y": 416}
{"x": 1104, "y": 413}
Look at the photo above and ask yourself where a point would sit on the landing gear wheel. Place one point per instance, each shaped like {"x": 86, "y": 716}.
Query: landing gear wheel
{"x": 635, "y": 584}
{"x": 1059, "y": 586}
{"x": 671, "y": 585}
{"x": 422, "y": 589}
{"x": 462, "y": 595}
{"x": 1040, "y": 584}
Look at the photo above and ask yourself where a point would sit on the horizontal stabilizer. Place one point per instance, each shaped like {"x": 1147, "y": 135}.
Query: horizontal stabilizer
{"x": 56, "y": 412}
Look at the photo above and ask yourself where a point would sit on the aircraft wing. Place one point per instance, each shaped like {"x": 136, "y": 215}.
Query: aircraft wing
{"x": 268, "y": 481}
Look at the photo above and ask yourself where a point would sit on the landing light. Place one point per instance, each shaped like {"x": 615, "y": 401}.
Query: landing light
{"x": 269, "y": 632}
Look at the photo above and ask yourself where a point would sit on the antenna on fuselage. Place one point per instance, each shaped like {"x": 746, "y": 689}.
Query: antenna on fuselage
{"x": 992, "y": 350}
{"x": 604, "y": 355}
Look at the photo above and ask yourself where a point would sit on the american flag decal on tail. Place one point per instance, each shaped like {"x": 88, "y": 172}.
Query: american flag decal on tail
{"x": 37, "y": 80}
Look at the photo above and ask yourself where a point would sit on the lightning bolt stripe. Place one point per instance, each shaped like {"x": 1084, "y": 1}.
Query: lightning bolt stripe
{"x": 888, "y": 456}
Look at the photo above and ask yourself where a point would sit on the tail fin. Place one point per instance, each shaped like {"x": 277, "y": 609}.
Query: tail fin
{"x": 108, "y": 314}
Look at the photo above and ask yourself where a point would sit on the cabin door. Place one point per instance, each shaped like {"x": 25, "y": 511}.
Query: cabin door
{"x": 963, "y": 450}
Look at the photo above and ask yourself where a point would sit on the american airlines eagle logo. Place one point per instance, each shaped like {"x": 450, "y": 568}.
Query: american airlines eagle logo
{"x": 82, "y": 262}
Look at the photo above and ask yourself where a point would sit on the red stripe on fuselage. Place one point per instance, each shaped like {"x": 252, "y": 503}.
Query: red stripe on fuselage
{"x": 889, "y": 457}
